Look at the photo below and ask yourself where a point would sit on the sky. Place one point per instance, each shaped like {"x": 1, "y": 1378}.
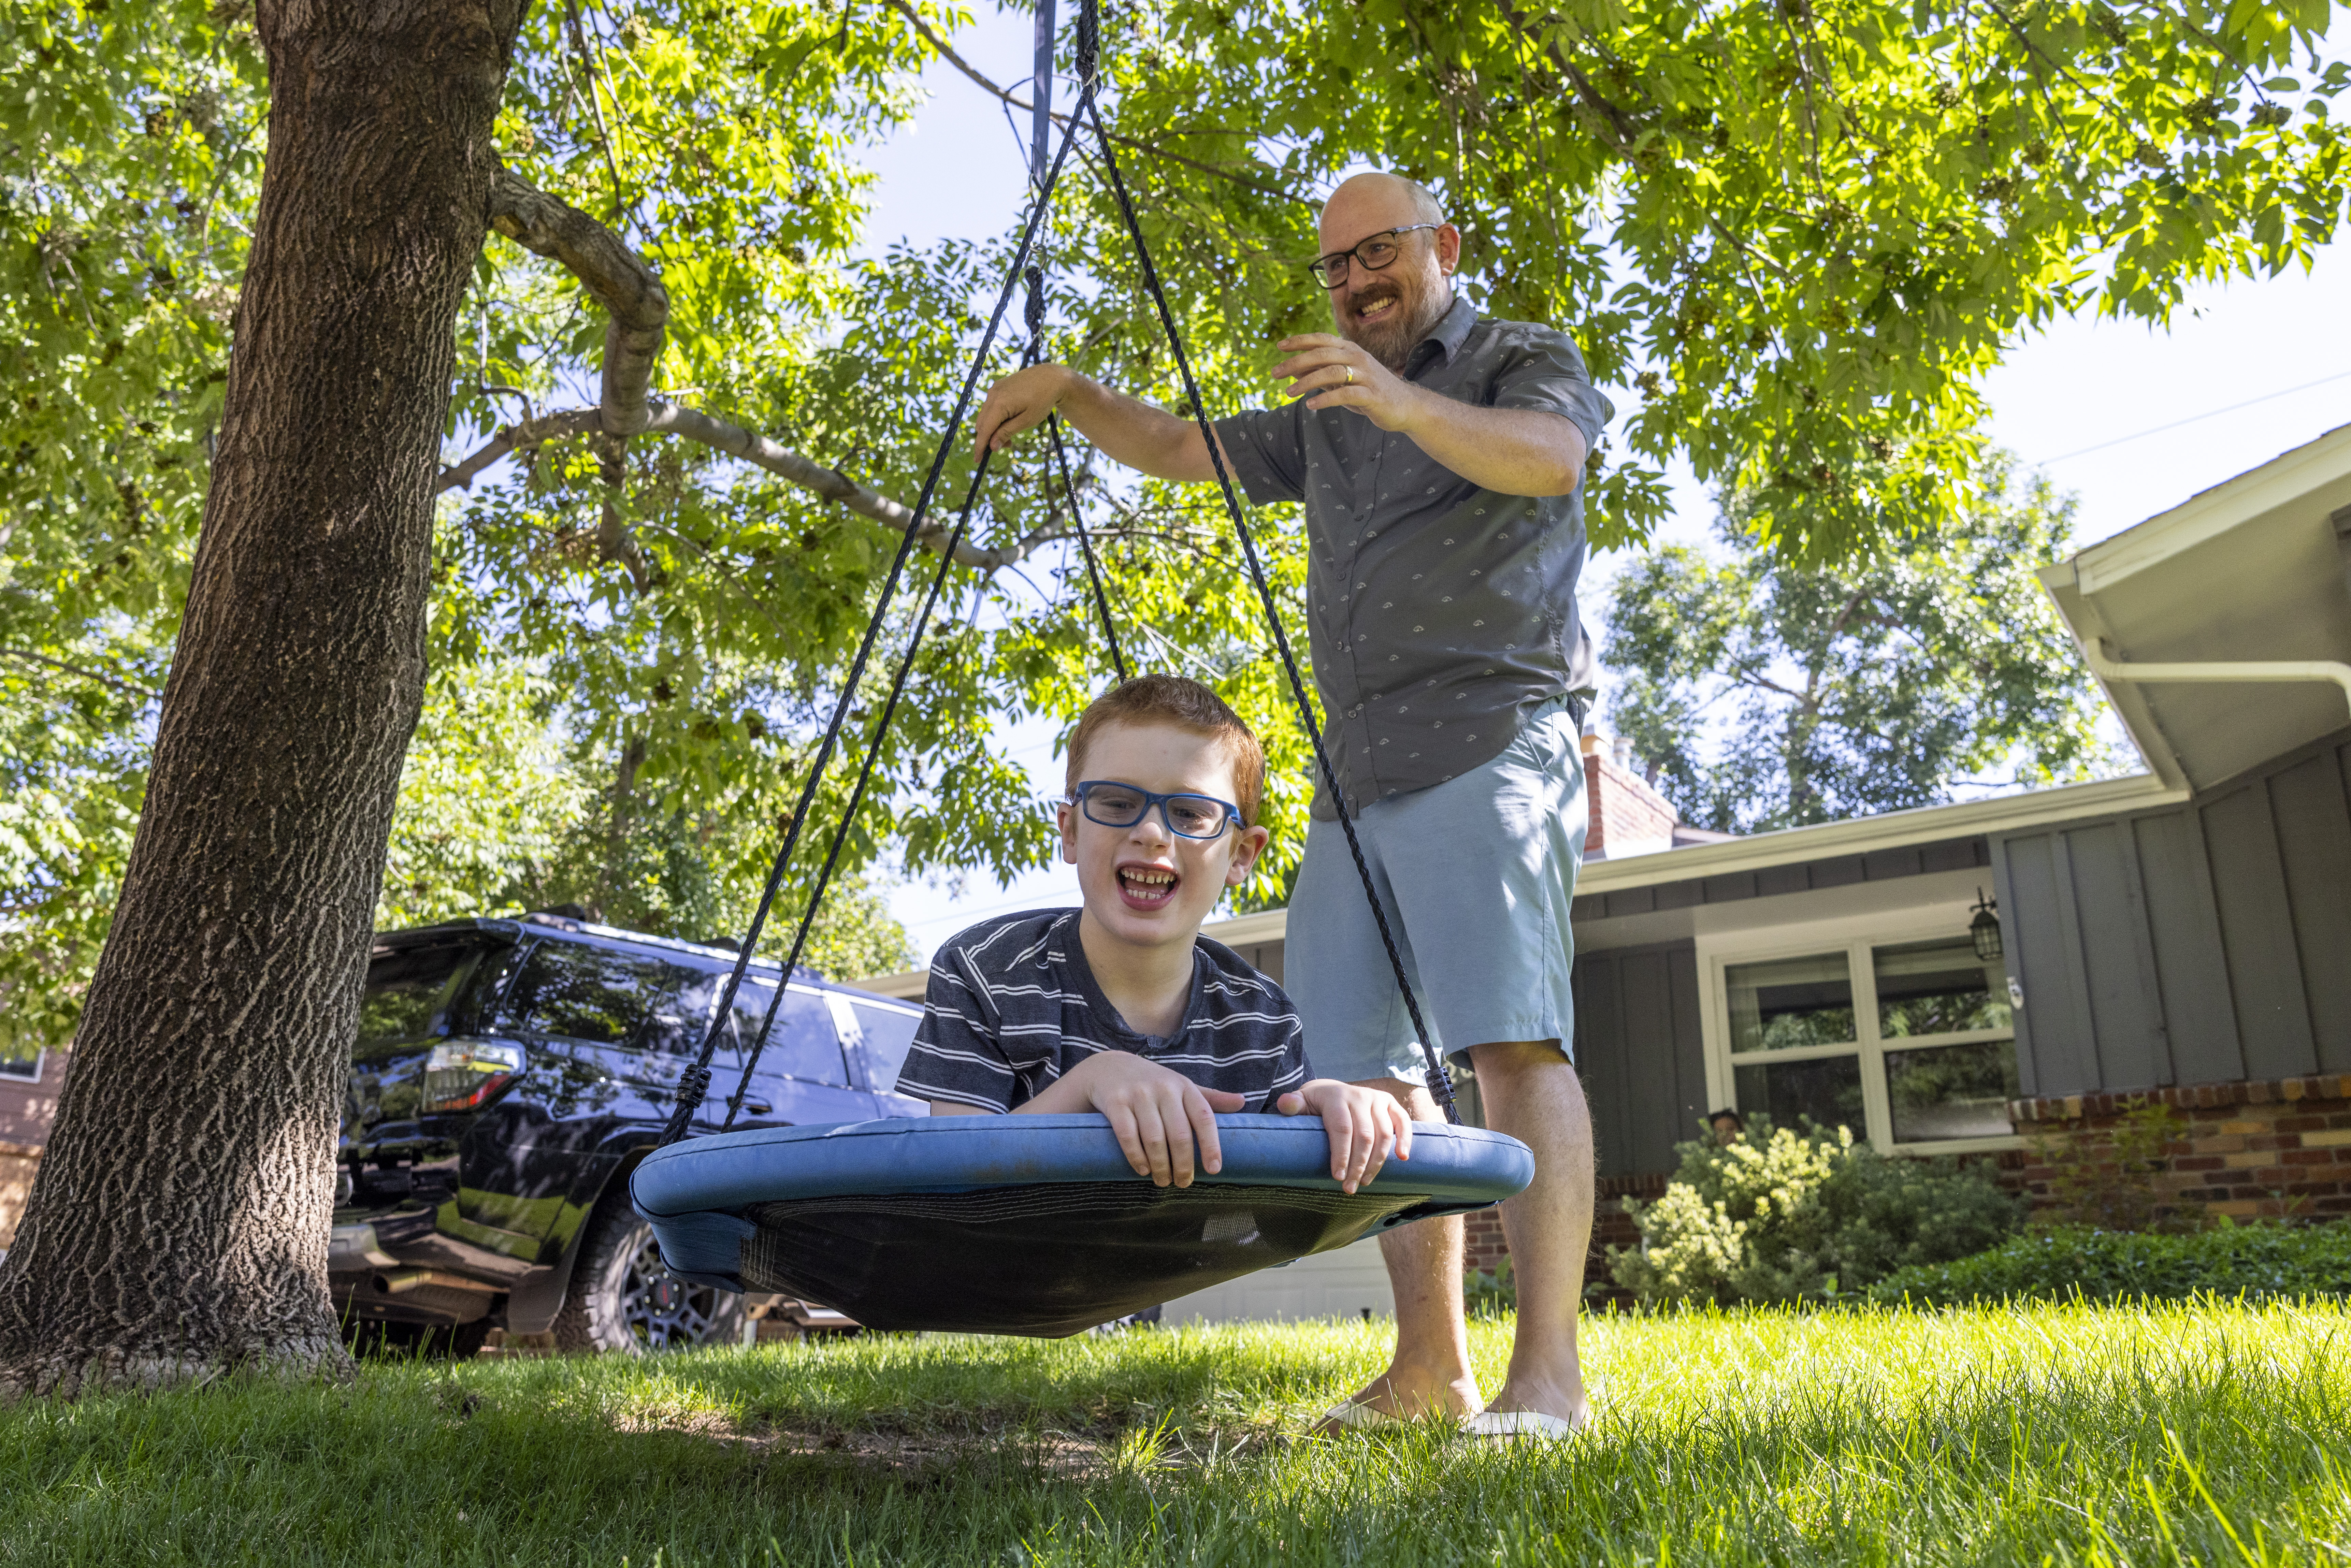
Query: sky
{"x": 2132, "y": 420}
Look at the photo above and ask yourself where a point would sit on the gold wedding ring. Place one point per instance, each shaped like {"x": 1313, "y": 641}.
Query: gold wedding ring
{"x": 1351, "y": 377}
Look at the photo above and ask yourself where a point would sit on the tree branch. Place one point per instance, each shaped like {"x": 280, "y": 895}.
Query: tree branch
{"x": 669, "y": 419}
{"x": 129, "y": 688}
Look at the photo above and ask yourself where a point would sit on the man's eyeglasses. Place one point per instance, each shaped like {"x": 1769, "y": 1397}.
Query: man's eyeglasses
{"x": 1123, "y": 805}
{"x": 1375, "y": 253}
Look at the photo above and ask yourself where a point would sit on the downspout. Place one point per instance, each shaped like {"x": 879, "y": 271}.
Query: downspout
{"x": 2218, "y": 670}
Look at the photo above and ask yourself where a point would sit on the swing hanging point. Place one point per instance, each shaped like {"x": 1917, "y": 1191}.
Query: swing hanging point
{"x": 1035, "y": 1225}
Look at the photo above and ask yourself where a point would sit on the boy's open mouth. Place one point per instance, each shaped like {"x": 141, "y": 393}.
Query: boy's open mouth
{"x": 1147, "y": 886}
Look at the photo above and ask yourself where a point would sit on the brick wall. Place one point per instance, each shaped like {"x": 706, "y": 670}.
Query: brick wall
{"x": 2278, "y": 1148}
{"x": 1624, "y": 810}
{"x": 20, "y": 1162}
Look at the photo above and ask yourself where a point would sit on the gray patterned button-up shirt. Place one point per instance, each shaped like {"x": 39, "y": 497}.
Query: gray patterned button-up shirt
{"x": 1441, "y": 614}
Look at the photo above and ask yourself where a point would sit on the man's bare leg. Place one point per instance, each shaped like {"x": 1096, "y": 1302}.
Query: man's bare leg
{"x": 1530, "y": 1091}
{"x": 1430, "y": 1373}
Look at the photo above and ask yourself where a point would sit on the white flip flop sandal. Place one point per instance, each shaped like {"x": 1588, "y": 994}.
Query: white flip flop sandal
{"x": 1359, "y": 1415}
{"x": 1516, "y": 1424}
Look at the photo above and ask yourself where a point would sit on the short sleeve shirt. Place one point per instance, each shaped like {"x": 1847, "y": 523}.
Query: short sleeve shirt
{"x": 1012, "y": 1006}
{"x": 1440, "y": 615}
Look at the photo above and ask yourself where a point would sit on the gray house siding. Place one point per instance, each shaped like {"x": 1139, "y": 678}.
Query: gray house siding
{"x": 1805, "y": 877}
{"x": 2204, "y": 943}
{"x": 1641, "y": 1053}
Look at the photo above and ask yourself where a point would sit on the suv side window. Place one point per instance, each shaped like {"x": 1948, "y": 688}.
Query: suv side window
{"x": 608, "y": 998}
{"x": 803, "y": 1044}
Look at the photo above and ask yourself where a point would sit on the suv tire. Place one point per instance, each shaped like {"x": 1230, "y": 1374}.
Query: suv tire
{"x": 623, "y": 1300}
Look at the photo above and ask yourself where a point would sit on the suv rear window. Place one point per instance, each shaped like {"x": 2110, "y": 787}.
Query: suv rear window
{"x": 406, "y": 988}
{"x": 803, "y": 1044}
{"x": 612, "y": 999}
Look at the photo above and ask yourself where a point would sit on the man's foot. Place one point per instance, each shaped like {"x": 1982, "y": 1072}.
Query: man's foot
{"x": 1399, "y": 1395}
{"x": 1550, "y": 1410}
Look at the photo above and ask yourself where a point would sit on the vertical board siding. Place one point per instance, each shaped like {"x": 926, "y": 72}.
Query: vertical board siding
{"x": 2314, "y": 827}
{"x": 1639, "y": 1048}
{"x": 2054, "y": 998}
{"x": 2257, "y": 934}
{"x": 2126, "y": 1021}
{"x": 1600, "y": 1058}
{"x": 2184, "y": 932}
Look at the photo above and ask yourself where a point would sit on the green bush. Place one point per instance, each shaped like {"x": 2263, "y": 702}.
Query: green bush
{"x": 2254, "y": 1261}
{"x": 1787, "y": 1215}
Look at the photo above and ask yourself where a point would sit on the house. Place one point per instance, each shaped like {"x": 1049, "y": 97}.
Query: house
{"x": 2007, "y": 975}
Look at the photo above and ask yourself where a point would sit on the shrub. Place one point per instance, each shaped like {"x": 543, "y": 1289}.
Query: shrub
{"x": 2253, "y": 1260}
{"x": 2108, "y": 1183}
{"x": 1787, "y": 1215}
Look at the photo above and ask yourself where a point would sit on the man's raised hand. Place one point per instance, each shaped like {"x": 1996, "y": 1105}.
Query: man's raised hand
{"x": 1331, "y": 373}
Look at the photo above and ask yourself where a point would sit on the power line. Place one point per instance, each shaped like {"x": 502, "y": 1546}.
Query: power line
{"x": 2193, "y": 418}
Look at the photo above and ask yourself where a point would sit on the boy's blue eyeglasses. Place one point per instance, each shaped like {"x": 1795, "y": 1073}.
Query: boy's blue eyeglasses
{"x": 1122, "y": 805}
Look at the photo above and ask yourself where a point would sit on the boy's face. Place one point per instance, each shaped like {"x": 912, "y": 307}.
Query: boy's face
{"x": 1142, "y": 883}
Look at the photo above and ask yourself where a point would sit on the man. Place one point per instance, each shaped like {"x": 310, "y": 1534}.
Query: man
{"x": 1439, "y": 458}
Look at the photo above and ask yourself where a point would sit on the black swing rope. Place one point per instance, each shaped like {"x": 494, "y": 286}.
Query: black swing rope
{"x": 1440, "y": 1081}
{"x": 1036, "y": 319}
{"x": 694, "y": 1084}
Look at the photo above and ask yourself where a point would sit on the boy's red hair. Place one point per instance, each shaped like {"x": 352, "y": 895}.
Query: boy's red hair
{"x": 1186, "y": 705}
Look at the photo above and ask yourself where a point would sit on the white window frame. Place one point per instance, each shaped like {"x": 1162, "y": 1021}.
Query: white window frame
{"x": 1856, "y": 935}
{"x": 40, "y": 1067}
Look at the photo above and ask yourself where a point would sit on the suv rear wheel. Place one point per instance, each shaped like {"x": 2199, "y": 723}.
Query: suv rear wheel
{"x": 622, "y": 1299}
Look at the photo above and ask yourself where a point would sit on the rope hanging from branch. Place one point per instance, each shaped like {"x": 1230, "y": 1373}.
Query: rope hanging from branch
{"x": 694, "y": 1084}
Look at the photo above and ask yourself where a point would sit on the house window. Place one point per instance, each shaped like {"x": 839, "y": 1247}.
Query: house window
{"x": 20, "y": 1063}
{"x": 1908, "y": 1042}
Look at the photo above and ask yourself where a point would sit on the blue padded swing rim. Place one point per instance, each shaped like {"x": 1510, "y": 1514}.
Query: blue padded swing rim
{"x": 1456, "y": 1166}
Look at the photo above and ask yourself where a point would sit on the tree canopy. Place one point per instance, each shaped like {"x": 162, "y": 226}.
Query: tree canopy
{"x": 1789, "y": 234}
{"x": 1769, "y": 694}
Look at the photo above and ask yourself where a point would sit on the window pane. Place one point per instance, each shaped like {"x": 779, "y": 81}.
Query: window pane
{"x": 1827, "y": 1090}
{"x": 803, "y": 1044}
{"x": 889, "y": 1036}
{"x": 1938, "y": 988}
{"x": 1952, "y": 1091}
{"x": 584, "y": 994}
{"x": 404, "y": 990}
{"x": 20, "y": 1061}
{"x": 1791, "y": 1002}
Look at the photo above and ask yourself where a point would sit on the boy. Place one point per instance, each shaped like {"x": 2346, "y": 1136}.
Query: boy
{"x": 1121, "y": 1006}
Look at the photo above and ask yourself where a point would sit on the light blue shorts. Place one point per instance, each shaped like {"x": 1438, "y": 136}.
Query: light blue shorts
{"x": 1476, "y": 874}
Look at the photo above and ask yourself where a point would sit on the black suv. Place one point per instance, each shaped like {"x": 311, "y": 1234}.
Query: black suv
{"x": 509, "y": 1076}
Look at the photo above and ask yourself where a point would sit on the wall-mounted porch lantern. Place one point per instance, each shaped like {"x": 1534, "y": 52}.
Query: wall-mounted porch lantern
{"x": 1985, "y": 927}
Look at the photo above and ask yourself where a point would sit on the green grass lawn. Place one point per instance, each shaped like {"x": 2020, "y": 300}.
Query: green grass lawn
{"x": 2205, "y": 1433}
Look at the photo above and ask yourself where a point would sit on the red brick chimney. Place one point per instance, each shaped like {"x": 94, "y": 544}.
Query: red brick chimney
{"x": 1628, "y": 818}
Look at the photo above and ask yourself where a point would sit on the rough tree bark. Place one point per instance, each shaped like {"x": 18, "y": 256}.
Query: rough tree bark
{"x": 179, "y": 1226}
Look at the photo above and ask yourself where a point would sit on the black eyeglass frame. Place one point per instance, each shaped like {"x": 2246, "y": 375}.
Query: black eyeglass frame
{"x": 1082, "y": 797}
{"x": 1353, "y": 254}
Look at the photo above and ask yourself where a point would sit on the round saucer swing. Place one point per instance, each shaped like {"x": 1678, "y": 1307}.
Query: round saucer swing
{"x": 1034, "y": 1225}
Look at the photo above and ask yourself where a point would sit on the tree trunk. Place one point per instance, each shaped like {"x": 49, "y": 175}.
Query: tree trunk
{"x": 179, "y": 1226}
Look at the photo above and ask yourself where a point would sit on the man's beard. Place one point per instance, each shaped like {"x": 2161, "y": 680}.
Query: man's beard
{"x": 1393, "y": 340}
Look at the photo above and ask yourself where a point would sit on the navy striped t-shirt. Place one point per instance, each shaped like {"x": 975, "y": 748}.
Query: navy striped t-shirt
{"x": 1012, "y": 1006}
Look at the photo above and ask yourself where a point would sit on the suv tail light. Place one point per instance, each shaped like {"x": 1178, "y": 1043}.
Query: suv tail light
{"x": 461, "y": 1075}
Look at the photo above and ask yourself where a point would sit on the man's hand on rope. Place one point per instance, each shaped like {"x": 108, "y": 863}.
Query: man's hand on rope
{"x": 1331, "y": 373}
{"x": 1017, "y": 402}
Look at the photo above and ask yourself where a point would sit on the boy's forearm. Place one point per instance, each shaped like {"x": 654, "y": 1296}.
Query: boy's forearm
{"x": 1065, "y": 1095}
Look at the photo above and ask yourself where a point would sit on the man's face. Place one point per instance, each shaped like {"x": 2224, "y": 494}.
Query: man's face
{"x": 1387, "y": 312}
{"x": 1143, "y": 884}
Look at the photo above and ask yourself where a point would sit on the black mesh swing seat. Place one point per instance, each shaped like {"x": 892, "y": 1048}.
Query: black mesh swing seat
{"x": 1029, "y": 1225}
